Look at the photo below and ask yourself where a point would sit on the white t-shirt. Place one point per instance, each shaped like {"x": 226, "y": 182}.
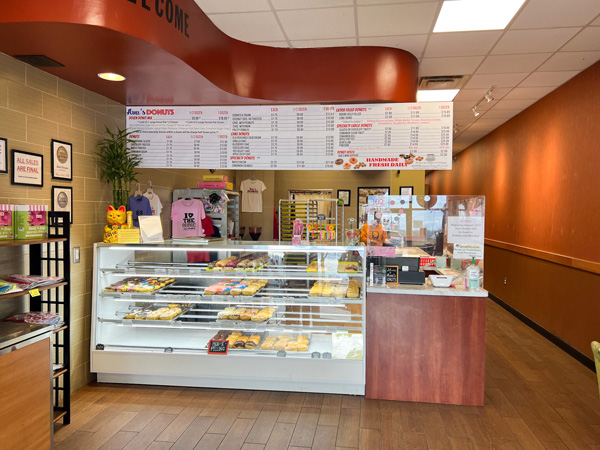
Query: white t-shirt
{"x": 155, "y": 203}
{"x": 252, "y": 195}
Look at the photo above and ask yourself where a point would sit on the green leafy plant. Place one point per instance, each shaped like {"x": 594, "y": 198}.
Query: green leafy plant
{"x": 118, "y": 164}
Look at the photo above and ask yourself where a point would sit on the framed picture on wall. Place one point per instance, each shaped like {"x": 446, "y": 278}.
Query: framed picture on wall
{"x": 62, "y": 160}
{"x": 27, "y": 168}
{"x": 406, "y": 190}
{"x": 62, "y": 200}
{"x": 344, "y": 195}
{"x": 363, "y": 197}
{"x": 3, "y": 156}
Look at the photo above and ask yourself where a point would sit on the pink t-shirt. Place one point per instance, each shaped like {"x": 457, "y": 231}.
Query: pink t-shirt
{"x": 187, "y": 218}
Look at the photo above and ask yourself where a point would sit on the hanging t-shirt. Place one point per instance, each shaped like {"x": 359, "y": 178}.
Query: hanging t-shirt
{"x": 155, "y": 203}
{"x": 139, "y": 206}
{"x": 187, "y": 218}
{"x": 252, "y": 195}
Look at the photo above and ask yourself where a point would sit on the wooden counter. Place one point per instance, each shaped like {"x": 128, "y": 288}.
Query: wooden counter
{"x": 426, "y": 345}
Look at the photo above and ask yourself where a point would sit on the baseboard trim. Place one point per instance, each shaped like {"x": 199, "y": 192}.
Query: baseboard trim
{"x": 572, "y": 351}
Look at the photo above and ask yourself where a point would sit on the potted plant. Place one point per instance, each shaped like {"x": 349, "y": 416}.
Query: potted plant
{"x": 118, "y": 164}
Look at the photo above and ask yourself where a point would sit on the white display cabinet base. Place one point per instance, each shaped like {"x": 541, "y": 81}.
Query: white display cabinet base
{"x": 230, "y": 372}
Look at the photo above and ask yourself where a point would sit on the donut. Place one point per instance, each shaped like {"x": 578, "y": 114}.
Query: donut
{"x": 353, "y": 160}
{"x": 409, "y": 161}
{"x": 347, "y": 165}
{"x": 339, "y": 161}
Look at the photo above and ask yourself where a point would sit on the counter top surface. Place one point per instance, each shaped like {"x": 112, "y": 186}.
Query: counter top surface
{"x": 426, "y": 289}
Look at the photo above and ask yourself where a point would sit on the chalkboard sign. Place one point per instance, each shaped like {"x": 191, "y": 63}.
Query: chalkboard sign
{"x": 218, "y": 347}
{"x": 391, "y": 274}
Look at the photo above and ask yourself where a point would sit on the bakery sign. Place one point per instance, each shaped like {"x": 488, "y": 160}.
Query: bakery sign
{"x": 218, "y": 347}
{"x": 27, "y": 168}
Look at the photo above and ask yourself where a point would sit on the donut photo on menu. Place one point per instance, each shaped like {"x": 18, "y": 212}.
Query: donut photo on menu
{"x": 339, "y": 161}
{"x": 347, "y": 165}
{"x": 353, "y": 160}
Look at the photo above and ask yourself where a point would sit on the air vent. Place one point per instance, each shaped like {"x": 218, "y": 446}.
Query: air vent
{"x": 442, "y": 82}
{"x": 38, "y": 60}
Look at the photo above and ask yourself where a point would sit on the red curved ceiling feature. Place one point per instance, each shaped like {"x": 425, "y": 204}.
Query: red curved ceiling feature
{"x": 164, "y": 66}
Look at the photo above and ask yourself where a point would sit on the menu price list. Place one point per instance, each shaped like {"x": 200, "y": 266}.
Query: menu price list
{"x": 295, "y": 137}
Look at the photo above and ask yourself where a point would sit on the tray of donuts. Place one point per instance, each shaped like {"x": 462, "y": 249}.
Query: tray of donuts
{"x": 238, "y": 339}
{"x": 286, "y": 342}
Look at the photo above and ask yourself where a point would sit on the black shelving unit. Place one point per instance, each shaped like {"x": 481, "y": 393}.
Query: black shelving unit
{"x": 52, "y": 257}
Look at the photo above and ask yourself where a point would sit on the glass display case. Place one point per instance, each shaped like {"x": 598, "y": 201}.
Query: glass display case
{"x": 444, "y": 232}
{"x": 292, "y": 316}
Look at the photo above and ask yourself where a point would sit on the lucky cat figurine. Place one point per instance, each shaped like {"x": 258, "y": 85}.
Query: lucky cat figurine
{"x": 117, "y": 220}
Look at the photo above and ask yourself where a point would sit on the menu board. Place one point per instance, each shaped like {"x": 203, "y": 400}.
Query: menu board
{"x": 413, "y": 136}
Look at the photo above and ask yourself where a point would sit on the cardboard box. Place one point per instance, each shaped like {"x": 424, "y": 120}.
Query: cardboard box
{"x": 31, "y": 221}
{"x": 215, "y": 185}
{"x": 222, "y": 178}
{"x": 7, "y": 229}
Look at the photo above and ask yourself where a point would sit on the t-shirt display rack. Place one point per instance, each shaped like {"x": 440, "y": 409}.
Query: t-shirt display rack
{"x": 219, "y": 219}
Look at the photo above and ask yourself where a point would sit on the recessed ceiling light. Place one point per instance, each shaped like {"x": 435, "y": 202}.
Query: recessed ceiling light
{"x": 111, "y": 76}
{"x": 436, "y": 95}
{"x": 472, "y": 15}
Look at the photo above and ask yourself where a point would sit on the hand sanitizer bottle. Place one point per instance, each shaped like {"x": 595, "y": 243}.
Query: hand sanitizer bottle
{"x": 473, "y": 276}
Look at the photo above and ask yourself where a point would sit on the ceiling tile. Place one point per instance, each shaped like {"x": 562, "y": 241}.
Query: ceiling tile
{"x": 476, "y": 94}
{"x": 449, "y": 66}
{"x": 556, "y": 13}
{"x": 306, "y": 4}
{"x": 522, "y": 93}
{"x": 411, "y": 43}
{"x": 498, "y": 79}
{"x": 596, "y": 22}
{"x": 533, "y": 41}
{"x": 248, "y": 27}
{"x": 512, "y": 63}
{"x": 501, "y": 113}
{"x": 283, "y": 44}
{"x": 514, "y": 104}
{"x": 588, "y": 39}
{"x": 570, "y": 61}
{"x": 225, "y": 6}
{"x": 381, "y": 2}
{"x": 461, "y": 44}
{"x": 548, "y": 78}
{"x": 396, "y": 19}
{"x": 314, "y": 43}
{"x": 325, "y": 23}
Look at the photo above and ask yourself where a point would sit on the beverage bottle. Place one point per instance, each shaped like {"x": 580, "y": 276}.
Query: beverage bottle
{"x": 473, "y": 276}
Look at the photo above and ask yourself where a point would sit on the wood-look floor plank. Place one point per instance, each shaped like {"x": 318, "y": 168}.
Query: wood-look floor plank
{"x": 415, "y": 441}
{"x": 348, "y": 429}
{"x": 351, "y": 401}
{"x": 410, "y": 418}
{"x": 160, "y": 445}
{"x": 224, "y": 421}
{"x": 452, "y": 420}
{"x": 234, "y": 440}
{"x": 462, "y": 443}
{"x": 178, "y": 426}
{"x": 292, "y": 407}
{"x": 109, "y": 428}
{"x": 192, "y": 435}
{"x": 218, "y": 401}
{"x": 254, "y": 405}
{"x": 262, "y": 427}
{"x": 280, "y": 436}
{"x": 314, "y": 400}
{"x": 569, "y": 436}
{"x": 325, "y": 437}
{"x": 436, "y": 433}
{"x": 75, "y": 441}
{"x": 370, "y": 439}
{"x": 145, "y": 437}
{"x": 369, "y": 414}
{"x": 523, "y": 433}
{"x": 577, "y": 422}
{"x": 210, "y": 442}
{"x": 304, "y": 433}
{"x": 330, "y": 411}
{"x": 119, "y": 440}
{"x": 391, "y": 431}
{"x": 247, "y": 446}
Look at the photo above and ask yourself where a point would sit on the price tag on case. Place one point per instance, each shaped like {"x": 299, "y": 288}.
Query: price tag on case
{"x": 217, "y": 347}
{"x": 34, "y": 293}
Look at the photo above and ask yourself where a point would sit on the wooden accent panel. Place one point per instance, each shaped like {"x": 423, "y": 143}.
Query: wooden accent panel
{"x": 426, "y": 348}
{"x": 165, "y": 67}
{"x": 26, "y": 413}
{"x": 588, "y": 266}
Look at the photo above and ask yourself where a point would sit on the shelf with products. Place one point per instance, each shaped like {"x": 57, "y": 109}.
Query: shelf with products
{"x": 50, "y": 257}
{"x": 150, "y": 308}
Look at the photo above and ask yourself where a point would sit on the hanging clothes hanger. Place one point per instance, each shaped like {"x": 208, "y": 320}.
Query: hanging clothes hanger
{"x": 149, "y": 188}
{"x": 188, "y": 194}
{"x": 252, "y": 177}
{"x": 138, "y": 191}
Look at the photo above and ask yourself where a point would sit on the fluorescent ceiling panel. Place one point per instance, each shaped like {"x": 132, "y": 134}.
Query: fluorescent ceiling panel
{"x": 436, "y": 95}
{"x": 472, "y": 15}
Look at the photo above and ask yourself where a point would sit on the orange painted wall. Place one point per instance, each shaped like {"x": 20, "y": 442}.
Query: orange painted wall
{"x": 540, "y": 173}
